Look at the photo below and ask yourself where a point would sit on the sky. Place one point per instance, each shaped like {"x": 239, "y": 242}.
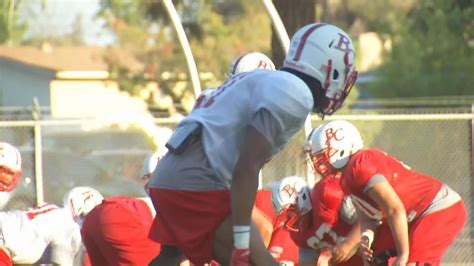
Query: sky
{"x": 56, "y": 17}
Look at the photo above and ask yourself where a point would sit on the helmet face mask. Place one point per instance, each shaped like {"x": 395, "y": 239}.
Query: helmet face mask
{"x": 291, "y": 200}
{"x": 289, "y": 218}
{"x": 320, "y": 163}
{"x": 331, "y": 105}
{"x": 8, "y": 179}
{"x": 325, "y": 53}
{"x": 10, "y": 167}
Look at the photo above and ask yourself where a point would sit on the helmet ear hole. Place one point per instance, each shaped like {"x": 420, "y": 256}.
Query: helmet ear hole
{"x": 341, "y": 153}
{"x": 335, "y": 74}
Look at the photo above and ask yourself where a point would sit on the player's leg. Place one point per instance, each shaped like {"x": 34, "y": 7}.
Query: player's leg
{"x": 427, "y": 247}
{"x": 223, "y": 244}
{"x": 169, "y": 253}
{"x": 186, "y": 221}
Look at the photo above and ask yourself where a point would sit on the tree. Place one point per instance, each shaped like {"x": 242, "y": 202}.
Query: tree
{"x": 11, "y": 29}
{"x": 432, "y": 54}
{"x": 294, "y": 15}
{"x": 217, "y": 30}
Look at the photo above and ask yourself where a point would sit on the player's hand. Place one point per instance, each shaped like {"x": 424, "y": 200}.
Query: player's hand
{"x": 341, "y": 252}
{"x": 240, "y": 257}
{"x": 365, "y": 251}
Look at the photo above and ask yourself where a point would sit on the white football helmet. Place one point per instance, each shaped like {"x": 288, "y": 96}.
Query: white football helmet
{"x": 150, "y": 162}
{"x": 10, "y": 167}
{"x": 81, "y": 201}
{"x": 291, "y": 199}
{"x": 249, "y": 62}
{"x": 330, "y": 145}
{"x": 326, "y": 53}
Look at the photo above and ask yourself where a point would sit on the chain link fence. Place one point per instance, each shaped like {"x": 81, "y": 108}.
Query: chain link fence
{"x": 111, "y": 158}
{"x": 437, "y": 145}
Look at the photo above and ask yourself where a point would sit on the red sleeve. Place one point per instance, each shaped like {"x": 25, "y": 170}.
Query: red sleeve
{"x": 282, "y": 247}
{"x": 326, "y": 198}
{"x": 361, "y": 168}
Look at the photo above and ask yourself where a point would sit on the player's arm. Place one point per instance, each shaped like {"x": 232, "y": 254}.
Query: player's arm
{"x": 255, "y": 151}
{"x": 348, "y": 247}
{"x": 344, "y": 250}
{"x": 386, "y": 198}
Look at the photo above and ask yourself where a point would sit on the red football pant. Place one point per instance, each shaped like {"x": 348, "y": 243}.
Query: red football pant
{"x": 431, "y": 236}
{"x": 187, "y": 220}
{"x": 116, "y": 233}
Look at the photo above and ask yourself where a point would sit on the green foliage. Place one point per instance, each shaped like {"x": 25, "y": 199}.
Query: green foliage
{"x": 225, "y": 38}
{"x": 11, "y": 30}
{"x": 432, "y": 54}
{"x": 217, "y": 31}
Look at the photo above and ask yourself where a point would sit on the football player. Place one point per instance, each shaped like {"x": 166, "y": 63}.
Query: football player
{"x": 388, "y": 193}
{"x": 249, "y": 62}
{"x": 243, "y": 63}
{"x": 278, "y": 242}
{"x": 115, "y": 229}
{"x": 26, "y": 235}
{"x": 321, "y": 221}
{"x": 10, "y": 167}
{"x": 204, "y": 188}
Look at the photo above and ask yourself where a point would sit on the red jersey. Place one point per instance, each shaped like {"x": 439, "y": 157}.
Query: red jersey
{"x": 322, "y": 226}
{"x": 369, "y": 166}
{"x": 282, "y": 248}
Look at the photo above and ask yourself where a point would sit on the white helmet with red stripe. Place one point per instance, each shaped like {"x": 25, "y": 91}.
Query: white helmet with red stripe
{"x": 326, "y": 53}
{"x": 249, "y": 62}
{"x": 10, "y": 166}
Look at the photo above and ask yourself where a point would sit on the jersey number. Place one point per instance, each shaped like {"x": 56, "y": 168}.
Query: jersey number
{"x": 204, "y": 101}
{"x": 317, "y": 242}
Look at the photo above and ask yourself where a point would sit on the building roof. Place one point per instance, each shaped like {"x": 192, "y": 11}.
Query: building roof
{"x": 70, "y": 58}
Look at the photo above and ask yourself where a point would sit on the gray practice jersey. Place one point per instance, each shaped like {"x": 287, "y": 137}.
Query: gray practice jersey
{"x": 276, "y": 103}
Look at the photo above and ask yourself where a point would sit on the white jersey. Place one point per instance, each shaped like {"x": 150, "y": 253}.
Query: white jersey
{"x": 226, "y": 112}
{"x": 25, "y": 235}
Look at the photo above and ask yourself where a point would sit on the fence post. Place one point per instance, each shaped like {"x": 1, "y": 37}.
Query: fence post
{"x": 472, "y": 170}
{"x": 36, "y": 113}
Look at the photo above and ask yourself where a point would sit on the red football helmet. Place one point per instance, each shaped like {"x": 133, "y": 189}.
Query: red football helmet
{"x": 10, "y": 167}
